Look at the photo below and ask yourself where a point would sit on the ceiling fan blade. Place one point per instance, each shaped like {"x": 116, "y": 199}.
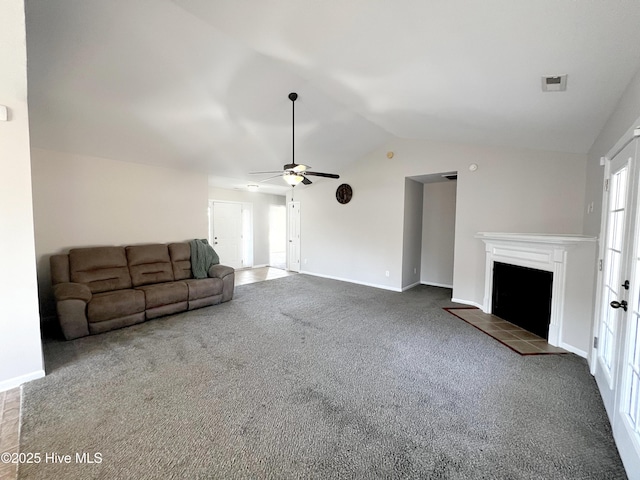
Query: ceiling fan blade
{"x": 271, "y": 177}
{"x": 296, "y": 167}
{"x": 320, "y": 174}
{"x": 306, "y": 181}
{"x": 265, "y": 173}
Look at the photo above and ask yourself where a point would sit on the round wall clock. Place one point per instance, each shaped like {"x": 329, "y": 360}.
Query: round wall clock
{"x": 344, "y": 193}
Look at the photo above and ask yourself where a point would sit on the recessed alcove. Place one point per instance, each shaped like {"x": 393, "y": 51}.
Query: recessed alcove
{"x": 570, "y": 261}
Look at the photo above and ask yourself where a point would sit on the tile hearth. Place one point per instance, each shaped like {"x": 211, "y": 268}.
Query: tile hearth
{"x": 510, "y": 335}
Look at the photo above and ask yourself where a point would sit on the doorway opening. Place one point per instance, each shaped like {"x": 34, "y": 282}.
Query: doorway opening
{"x": 278, "y": 236}
{"x": 430, "y": 219}
{"x": 293, "y": 236}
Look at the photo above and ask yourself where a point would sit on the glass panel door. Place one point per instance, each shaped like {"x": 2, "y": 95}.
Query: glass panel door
{"x": 614, "y": 275}
{"x": 626, "y": 419}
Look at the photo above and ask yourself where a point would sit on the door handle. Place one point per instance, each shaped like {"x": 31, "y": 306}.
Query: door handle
{"x": 622, "y": 304}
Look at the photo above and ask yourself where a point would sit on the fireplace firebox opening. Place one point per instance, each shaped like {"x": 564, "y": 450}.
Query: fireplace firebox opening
{"x": 522, "y": 296}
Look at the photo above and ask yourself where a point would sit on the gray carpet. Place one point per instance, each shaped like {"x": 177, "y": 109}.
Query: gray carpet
{"x": 305, "y": 377}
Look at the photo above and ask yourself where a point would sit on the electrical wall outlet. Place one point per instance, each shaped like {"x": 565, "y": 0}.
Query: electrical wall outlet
{"x": 386, "y": 273}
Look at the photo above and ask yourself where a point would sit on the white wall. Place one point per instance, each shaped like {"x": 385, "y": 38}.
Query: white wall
{"x": 438, "y": 233}
{"x": 81, "y": 201}
{"x": 358, "y": 241}
{"x": 20, "y": 347}
{"x": 513, "y": 190}
{"x": 412, "y": 236}
{"x": 261, "y": 204}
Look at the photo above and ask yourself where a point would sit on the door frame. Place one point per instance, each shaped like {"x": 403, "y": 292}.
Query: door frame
{"x": 632, "y": 133}
{"x": 627, "y": 444}
{"x": 608, "y": 381}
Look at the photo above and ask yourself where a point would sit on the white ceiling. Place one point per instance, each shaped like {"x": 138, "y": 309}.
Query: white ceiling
{"x": 203, "y": 84}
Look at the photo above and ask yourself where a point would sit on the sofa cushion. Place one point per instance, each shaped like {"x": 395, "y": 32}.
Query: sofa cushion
{"x": 164, "y": 294}
{"x": 117, "y": 304}
{"x": 205, "y": 302}
{"x": 203, "y": 287}
{"x": 120, "y": 322}
{"x": 102, "y": 269}
{"x": 220, "y": 271}
{"x": 59, "y": 265}
{"x": 69, "y": 291}
{"x": 181, "y": 260}
{"x": 149, "y": 264}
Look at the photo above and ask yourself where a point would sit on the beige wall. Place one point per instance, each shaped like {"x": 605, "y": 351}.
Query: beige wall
{"x": 83, "y": 201}
{"x": 20, "y": 348}
{"x": 513, "y": 190}
{"x": 412, "y": 235}
{"x": 438, "y": 233}
{"x": 622, "y": 118}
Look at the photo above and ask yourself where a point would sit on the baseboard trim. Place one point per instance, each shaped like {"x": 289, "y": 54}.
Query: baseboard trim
{"x": 441, "y": 285}
{"x": 17, "y": 381}
{"x": 569, "y": 348}
{"x": 467, "y": 302}
{"x": 409, "y": 287}
{"x": 348, "y": 280}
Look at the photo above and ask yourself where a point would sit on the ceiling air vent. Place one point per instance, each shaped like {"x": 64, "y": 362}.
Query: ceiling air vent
{"x": 557, "y": 83}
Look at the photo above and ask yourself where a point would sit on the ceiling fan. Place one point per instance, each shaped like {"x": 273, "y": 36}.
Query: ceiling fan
{"x": 294, "y": 173}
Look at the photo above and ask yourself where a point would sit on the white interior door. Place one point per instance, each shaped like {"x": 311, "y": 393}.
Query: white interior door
{"x": 227, "y": 233}
{"x": 293, "y": 234}
{"x": 617, "y": 369}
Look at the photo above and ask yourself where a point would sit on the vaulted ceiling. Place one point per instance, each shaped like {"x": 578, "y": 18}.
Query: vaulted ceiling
{"x": 203, "y": 84}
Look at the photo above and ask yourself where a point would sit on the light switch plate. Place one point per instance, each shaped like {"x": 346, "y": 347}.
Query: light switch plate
{"x": 4, "y": 113}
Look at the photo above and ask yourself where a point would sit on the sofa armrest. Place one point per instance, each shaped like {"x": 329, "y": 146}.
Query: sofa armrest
{"x": 220, "y": 271}
{"x": 72, "y": 291}
{"x": 228, "y": 276}
{"x": 71, "y": 305}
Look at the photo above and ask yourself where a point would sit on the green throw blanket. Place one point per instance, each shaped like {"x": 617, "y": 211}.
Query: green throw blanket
{"x": 202, "y": 257}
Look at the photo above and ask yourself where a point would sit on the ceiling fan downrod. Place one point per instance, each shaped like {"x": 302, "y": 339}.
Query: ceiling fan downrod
{"x": 293, "y": 96}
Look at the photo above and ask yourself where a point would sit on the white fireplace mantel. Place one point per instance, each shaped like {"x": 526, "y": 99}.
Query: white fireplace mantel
{"x": 572, "y": 259}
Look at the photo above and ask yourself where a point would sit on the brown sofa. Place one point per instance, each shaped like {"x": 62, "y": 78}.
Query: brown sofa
{"x": 98, "y": 289}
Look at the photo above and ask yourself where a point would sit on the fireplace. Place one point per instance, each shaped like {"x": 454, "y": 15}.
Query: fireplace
{"x": 522, "y": 296}
{"x": 562, "y": 266}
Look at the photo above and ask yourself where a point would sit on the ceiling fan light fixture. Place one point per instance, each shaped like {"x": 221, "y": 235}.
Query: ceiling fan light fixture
{"x": 292, "y": 178}
{"x": 295, "y": 173}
